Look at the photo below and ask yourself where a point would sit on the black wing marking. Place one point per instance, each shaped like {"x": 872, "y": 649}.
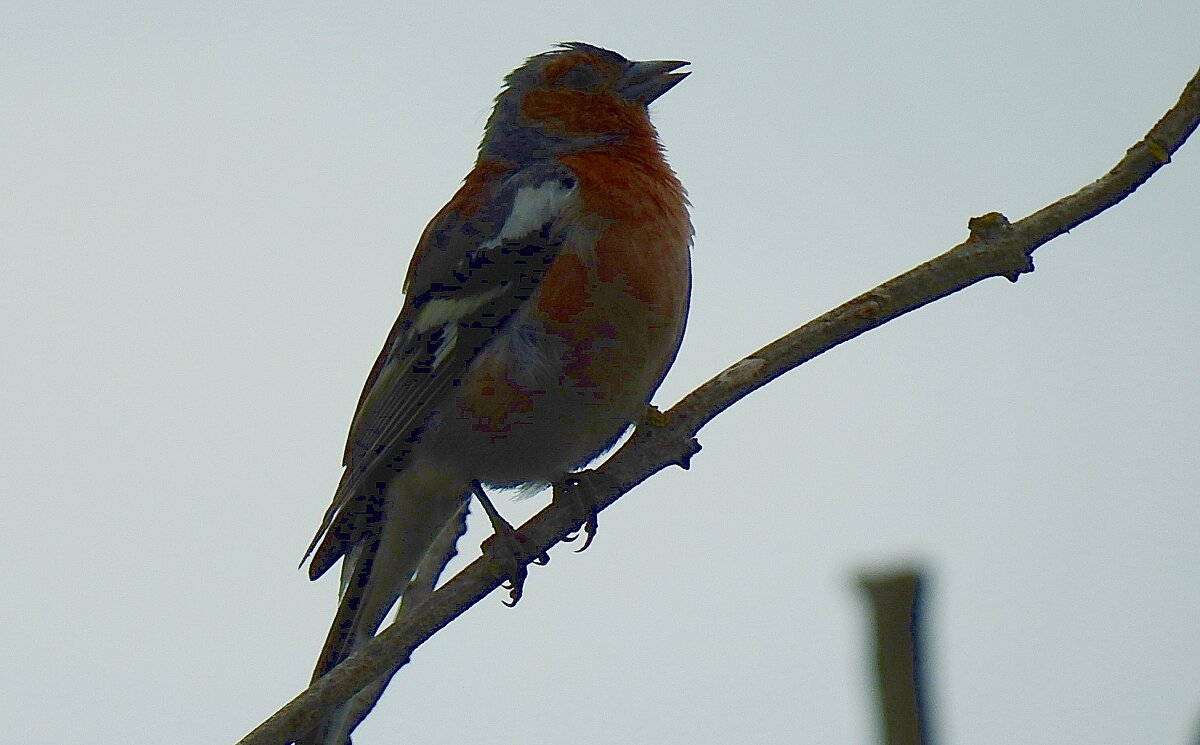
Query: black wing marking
{"x": 461, "y": 296}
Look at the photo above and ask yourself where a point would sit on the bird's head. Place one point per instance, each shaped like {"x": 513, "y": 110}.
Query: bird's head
{"x": 574, "y": 97}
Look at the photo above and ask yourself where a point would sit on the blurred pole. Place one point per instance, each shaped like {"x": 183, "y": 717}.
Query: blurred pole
{"x": 896, "y": 604}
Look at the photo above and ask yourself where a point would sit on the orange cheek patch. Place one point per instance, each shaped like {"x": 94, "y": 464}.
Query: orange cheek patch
{"x": 568, "y": 112}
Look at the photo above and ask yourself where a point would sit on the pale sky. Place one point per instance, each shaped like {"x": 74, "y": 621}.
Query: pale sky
{"x": 206, "y": 212}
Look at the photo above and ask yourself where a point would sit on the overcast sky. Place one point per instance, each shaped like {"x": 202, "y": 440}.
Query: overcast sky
{"x": 206, "y": 212}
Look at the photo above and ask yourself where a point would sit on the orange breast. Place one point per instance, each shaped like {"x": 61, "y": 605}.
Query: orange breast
{"x": 611, "y": 316}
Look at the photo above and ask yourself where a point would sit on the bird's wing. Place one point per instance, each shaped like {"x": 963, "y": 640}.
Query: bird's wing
{"x": 471, "y": 273}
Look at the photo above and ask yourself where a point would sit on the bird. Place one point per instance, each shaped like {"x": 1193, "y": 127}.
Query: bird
{"x": 543, "y": 306}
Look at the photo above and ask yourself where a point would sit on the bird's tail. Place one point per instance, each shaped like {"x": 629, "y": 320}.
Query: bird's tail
{"x": 417, "y": 538}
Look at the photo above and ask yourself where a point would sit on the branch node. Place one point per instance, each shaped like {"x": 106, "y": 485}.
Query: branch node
{"x": 678, "y": 440}
{"x": 1026, "y": 268}
{"x": 867, "y": 306}
{"x": 1157, "y": 151}
{"x": 988, "y": 227}
{"x": 685, "y": 459}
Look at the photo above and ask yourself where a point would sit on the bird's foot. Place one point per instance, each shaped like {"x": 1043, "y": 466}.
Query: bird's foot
{"x": 508, "y": 548}
{"x": 582, "y": 494}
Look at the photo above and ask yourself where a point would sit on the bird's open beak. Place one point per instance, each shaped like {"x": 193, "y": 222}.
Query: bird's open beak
{"x": 645, "y": 81}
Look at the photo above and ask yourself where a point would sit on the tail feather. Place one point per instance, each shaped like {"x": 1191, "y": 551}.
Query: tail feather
{"x": 337, "y": 728}
{"x": 415, "y": 541}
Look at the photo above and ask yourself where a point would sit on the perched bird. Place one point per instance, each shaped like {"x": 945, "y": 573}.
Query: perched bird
{"x": 543, "y": 306}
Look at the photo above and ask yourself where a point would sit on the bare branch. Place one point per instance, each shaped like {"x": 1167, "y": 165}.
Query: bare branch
{"x": 995, "y": 248}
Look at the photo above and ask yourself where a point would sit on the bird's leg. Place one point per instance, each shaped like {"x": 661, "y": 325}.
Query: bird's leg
{"x": 507, "y": 547}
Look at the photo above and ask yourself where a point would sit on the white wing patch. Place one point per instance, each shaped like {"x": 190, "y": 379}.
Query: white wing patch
{"x": 534, "y": 207}
{"x": 448, "y": 310}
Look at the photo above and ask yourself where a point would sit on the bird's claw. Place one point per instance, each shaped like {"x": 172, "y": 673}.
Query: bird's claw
{"x": 580, "y": 493}
{"x": 508, "y": 549}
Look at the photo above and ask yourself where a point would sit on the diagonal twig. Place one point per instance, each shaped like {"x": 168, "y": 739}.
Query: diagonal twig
{"x": 995, "y": 248}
